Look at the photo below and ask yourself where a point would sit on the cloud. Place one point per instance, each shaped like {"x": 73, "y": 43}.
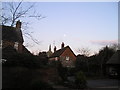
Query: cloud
{"x": 104, "y": 42}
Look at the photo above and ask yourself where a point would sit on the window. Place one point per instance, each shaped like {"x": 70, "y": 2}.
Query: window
{"x": 3, "y": 60}
{"x": 56, "y": 58}
{"x": 1, "y": 44}
{"x": 67, "y": 58}
{"x": 16, "y": 45}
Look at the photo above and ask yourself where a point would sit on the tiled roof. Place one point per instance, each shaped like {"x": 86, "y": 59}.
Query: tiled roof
{"x": 115, "y": 59}
{"x": 9, "y": 33}
{"x": 60, "y": 51}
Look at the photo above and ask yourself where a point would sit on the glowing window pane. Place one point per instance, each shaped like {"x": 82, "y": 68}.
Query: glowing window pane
{"x": 67, "y": 58}
{"x": 16, "y": 45}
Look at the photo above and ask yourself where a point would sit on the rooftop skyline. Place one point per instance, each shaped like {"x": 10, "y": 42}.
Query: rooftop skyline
{"x": 78, "y": 24}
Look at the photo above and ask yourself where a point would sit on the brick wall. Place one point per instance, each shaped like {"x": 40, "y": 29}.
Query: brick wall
{"x": 72, "y": 58}
{"x": 10, "y": 43}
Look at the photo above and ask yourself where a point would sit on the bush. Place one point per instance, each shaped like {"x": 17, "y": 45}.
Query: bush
{"x": 41, "y": 86}
{"x": 62, "y": 71}
{"x": 80, "y": 80}
{"x": 23, "y": 60}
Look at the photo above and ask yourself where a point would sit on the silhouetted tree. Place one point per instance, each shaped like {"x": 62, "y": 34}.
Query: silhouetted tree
{"x": 103, "y": 56}
{"x": 80, "y": 80}
{"x": 13, "y": 11}
{"x": 94, "y": 65}
{"x": 62, "y": 71}
{"x": 115, "y": 46}
{"x": 81, "y": 63}
{"x": 86, "y": 53}
{"x": 43, "y": 58}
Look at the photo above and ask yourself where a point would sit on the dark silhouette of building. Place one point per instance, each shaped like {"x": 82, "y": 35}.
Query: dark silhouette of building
{"x": 12, "y": 37}
{"x": 113, "y": 64}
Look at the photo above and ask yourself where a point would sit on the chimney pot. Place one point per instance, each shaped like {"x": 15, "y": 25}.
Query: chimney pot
{"x": 55, "y": 49}
{"x": 18, "y": 24}
{"x": 62, "y": 45}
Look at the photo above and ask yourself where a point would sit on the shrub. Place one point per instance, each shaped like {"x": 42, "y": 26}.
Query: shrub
{"x": 62, "y": 71}
{"x": 41, "y": 86}
{"x": 24, "y": 60}
{"x": 80, "y": 80}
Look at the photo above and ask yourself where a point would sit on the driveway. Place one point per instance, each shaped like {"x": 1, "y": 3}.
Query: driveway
{"x": 104, "y": 83}
{"x": 99, "y": 84}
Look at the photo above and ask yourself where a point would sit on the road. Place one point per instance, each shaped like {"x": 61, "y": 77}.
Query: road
{"x": 104, "y": 83}
{"x": 99, "y": 84}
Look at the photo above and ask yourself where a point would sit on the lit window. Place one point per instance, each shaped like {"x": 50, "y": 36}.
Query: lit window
{"x": 56, "y": 58}
{"x": 16, "y": 45}
{"x": 67, "y": 58}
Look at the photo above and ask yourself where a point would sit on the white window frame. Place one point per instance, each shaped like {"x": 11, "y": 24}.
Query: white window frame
{"x": 67, "y": 58}
{"x": 1, "y": 44}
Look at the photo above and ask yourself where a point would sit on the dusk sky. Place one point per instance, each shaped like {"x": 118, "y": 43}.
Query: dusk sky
{"x": 78, "y": 24}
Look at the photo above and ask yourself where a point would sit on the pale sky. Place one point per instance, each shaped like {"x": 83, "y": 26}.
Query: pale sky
{"x": 78, "y": 24}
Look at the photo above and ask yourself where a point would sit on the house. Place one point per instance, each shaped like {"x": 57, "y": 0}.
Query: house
{"x": 65, "y": 55}
{"x": 12, "y": 37}
{"x": 113, "y": 64}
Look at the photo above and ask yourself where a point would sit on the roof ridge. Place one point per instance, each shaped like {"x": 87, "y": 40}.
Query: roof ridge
{"x": 114, "y": 58}
{"x": 59, "y": 52}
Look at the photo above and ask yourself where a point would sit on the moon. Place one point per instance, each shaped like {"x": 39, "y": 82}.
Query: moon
{"x": 64, "y": 35}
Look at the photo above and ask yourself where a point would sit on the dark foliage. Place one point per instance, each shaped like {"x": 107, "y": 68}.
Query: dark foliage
{"x": 24, "y": 60}
{"x": 40, "y": 85}
{"x": 23, "y": 78}
{"x": 43, "y": 58}
{"x": 13, "y": 58}
{"x": 94, "y": 65}
{"x": 81, "y": 63}
{"x": 80, "y": 80}
{"x": 62, "y": 71}
{"x": 105, "y": 54}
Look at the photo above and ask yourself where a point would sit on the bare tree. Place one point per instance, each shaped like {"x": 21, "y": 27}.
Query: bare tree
{"x": 14, "y": 11}
{"x": 84, "y": 51}
{"x": 115, "y": 46}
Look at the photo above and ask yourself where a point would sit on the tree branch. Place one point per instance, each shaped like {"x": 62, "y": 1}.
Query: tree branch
{"x": 13, "y": 17}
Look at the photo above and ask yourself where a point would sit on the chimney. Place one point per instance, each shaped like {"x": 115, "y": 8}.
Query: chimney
{"x": 62, "y": 45}
{"x": 55, "y": 49}
{"x": 18, "y": 24}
